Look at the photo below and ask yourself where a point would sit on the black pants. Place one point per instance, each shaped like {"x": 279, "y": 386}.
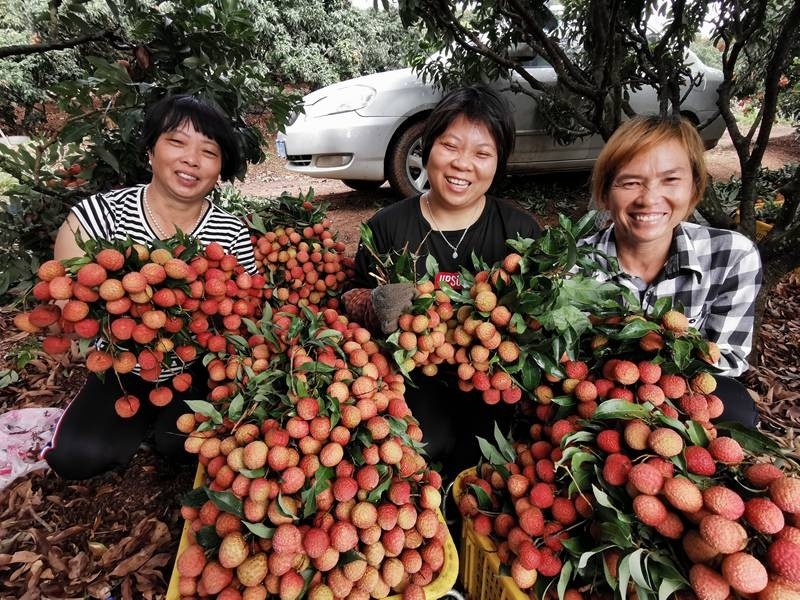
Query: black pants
{"x": 451, "y": 420}
{"x": 739, "y": 406}
{"x": 91, "y": 438}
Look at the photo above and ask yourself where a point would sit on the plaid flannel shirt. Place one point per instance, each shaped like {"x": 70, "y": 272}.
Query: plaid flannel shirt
{"x": 715, "y": 274}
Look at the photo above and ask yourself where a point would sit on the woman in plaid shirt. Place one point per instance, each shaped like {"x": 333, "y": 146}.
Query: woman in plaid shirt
{"x": 650, "y": 176}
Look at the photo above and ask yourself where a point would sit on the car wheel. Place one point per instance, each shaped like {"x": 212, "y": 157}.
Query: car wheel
{"x": 362, "y": 185}
{"x": 404, "y": 167}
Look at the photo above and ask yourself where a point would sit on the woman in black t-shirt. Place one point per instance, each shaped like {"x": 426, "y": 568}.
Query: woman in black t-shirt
{"x": 465, "y": 146}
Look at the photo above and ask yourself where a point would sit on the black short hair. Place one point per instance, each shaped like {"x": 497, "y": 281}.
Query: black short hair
{"x": 169, "y": 113}
{"x": 479, "y": 104}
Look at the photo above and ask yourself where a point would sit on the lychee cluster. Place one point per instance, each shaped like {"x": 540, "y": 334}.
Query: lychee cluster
{"x": 623, "y": 447}
{"x": 153, "y": 308}
{"x": 302, "y": 261}
{"x": 316, "y": 486}
{"x": 474, "y": 333}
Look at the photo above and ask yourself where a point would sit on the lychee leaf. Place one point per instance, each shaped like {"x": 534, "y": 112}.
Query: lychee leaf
{"x": 260, "y": 529}
{"x": 751, "y": 440}
{"x": 226, "y": 501}
{"x": 491, "y": 453}
{"x": 348, "y": 557}
{"x": 484, "y": 502}
{"x": 283, "y": 509}
{"x": 564, "y": 579}
{"x": 697, "y": 434}
{"x": 619, "y": 409}
{"x": 376, "y": 494}
{"x": 206, "y": 409}
{"x": 504, "y": 445}
{"x": 207, "y": 537}
{"x": 624, "y": 575}
{"x": 635, "y": 330}
{"x": 236, "y": 406}
{"x": 638, "y": 566}
{"x": 195, "y": 498}
{"x": 668, "y": 587}
{"x": 252, "y": 473}
{"x": 584, "y": 558}
{"x": 681, "y": 354}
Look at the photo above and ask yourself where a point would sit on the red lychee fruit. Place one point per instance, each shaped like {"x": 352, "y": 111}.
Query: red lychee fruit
{"x": 708, "y": 584}
{"x": 785, "y": 492}
{"x": 674, "y": 386}
{"x": 110, "y": 259}
{"x": 764, "y": 515}
{"x": 649, "y": 509}
{"x": 726, "y": 450}
{"x": 665, "y": 442}
{"x": 676, "y": 322}
{"x": 626, "y": 372}
{"x": 722, "y": 534}
{"x": 783, "y": 558}
{"x": 723, "y": 501}
{"x": 699, "y": 461}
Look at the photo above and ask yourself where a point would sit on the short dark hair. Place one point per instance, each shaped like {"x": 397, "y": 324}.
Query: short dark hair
{"x": 479, "y": 104}
{"x": 169, "y": 113}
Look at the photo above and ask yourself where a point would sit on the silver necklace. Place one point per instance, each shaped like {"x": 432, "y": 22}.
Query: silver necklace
{"x": 441, "y": 233}
{"x": 160, "y": 232}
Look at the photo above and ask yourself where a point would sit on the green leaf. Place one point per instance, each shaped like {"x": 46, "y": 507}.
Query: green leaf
{"x": 207, "y": 537}
{"x": 668, "y": 587}
{"x": 681, "y": 354}
{"x": 260, "y": 529}
{"x": 194, "y": 498}
{"x": 620, "y": 409}
{"x": 205, "y": 408}
{"x": 624, "y": 575}
{"x": 375, "y": 495}
{"x": 635, "y": 330}
{"x": 751, "y": 440}
{"x": 584, "y": 558}
{"x": 253, "y": 473}
{"x": 504, "y": 445}
{"x": 491, "y": 453}
{"x": 236, "y": 406}
{"x": 226, "y": 501}
{"x": 484, "y": 502}
{"x": 697, "y": 434}
{"x": 638, "y": 566}
{"x": 564, "y": 579}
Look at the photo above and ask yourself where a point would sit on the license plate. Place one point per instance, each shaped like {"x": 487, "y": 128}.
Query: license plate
{"x": 280, "y": 148}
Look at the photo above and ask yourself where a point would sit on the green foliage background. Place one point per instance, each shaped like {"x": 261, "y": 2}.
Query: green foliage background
{"x": 250, "y": 57}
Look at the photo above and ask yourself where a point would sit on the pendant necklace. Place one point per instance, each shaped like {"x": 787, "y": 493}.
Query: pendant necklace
{"x": 446, "y": 241}
{"x": 160, "y": 232}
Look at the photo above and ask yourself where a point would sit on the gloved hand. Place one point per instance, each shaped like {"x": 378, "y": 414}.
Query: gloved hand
{"x": 390, "y": 301}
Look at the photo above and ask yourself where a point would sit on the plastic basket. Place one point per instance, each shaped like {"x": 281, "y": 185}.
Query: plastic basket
{"x": 479, "y": 568}
{"x": 438, "y": 588}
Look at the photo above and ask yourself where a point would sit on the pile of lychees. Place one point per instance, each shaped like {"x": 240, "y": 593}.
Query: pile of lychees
{"x": 507, "y": 324}
{"x": 302, "y": 261}
{"x": 316, "y": 487}
{"x": 620, "y": 483}
{"x": 153, "y": 308}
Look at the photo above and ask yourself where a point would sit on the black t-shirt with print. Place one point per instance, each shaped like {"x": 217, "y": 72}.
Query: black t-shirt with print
{"x": 403, "y": 225}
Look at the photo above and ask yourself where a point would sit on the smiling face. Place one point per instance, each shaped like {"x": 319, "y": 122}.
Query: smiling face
{"x": 650, "y": 195}
{"x": 461, "y": 165}
{"x": 186, "y": 164}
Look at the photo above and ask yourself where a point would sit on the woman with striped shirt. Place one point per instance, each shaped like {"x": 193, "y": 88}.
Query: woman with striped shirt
{"x": 190, "y": 145}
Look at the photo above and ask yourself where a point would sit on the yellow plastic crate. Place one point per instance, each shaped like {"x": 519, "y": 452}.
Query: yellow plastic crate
{"x": 436, "y": 589}
{"x": 479, "y": 569}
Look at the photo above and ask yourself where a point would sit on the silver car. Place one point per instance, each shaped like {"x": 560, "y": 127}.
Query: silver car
{"x": 367, "y": 130}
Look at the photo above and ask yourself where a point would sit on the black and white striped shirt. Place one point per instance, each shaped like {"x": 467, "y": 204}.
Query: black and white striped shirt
{"x": 715, "y": 274}
{"x": 117, "y": 214}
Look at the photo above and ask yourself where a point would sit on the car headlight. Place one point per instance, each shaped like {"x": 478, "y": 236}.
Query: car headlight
{"x": 341, "y": 100}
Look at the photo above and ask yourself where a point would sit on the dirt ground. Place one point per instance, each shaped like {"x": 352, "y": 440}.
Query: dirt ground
{"x": 116, "y": 536}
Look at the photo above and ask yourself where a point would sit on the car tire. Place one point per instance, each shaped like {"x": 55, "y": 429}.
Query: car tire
{"x": 404, "y": 162}
{"x": 362, "y": 185}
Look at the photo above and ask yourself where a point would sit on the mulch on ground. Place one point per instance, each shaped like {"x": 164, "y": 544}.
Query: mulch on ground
{"x": 117, "y": 534}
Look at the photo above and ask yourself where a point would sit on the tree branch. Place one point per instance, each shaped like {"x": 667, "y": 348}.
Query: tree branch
{"x": 27, "y": 49}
